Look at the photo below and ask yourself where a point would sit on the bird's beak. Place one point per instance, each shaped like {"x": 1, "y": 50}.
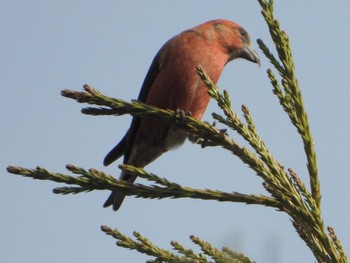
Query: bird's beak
{"x": 250, "y": 54}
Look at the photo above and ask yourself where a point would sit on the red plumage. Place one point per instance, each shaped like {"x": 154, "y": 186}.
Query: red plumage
{"x": 172, "y": 83}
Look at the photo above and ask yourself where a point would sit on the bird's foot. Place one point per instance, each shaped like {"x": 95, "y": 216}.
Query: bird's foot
{"x": 181, "y": 114}
{"x": 194, "y": 138}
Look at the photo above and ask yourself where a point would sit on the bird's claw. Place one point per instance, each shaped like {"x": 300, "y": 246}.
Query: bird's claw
{"x": 194, "y": 138}
{"x": 181, "y": 114}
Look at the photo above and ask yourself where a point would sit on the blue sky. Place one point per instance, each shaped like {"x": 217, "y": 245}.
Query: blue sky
{"x": 47, "y": 46}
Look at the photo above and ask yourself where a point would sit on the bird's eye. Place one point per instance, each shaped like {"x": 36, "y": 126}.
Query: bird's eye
{"x": 243, "y": 32}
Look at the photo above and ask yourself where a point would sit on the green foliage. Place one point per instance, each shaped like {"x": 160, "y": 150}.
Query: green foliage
{"x": 145, "y": 246}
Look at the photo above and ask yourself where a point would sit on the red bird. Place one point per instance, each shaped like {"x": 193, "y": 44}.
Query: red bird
{"x": 172, "y": 83}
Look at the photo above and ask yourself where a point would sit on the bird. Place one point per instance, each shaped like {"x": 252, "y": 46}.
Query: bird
{"x": 172, "y": 83}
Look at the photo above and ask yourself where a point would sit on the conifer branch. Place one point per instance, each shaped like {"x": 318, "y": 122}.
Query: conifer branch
{"x": 291, "y": 98}
{"x": 309, "y": 224}
{"x": 143, "y": 245}
{"x": 96, "y": 180}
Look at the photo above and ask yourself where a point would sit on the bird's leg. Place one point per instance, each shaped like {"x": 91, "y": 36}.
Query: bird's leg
{"x": 181, "y": 114}
{"x": 194, "y": 138}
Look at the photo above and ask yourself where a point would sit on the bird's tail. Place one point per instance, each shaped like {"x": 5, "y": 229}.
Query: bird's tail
{"x": 116, "y": 198}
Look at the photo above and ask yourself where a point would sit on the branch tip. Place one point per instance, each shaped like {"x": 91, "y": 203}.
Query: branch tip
{"x": 14, "y": 169}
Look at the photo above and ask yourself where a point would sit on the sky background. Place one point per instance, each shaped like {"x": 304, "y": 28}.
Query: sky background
{"x": 47, "y": 46}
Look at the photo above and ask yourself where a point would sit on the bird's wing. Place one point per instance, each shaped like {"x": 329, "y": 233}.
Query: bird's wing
{"x": 116, "y": 152}
{"x": 122, "y": 148}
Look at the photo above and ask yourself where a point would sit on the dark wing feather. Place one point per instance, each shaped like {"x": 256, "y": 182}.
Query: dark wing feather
{"x": 122, "y": 148}
{"x": 116, "y": 152}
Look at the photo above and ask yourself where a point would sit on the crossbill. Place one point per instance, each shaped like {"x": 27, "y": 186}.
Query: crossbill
{"x": 172, "y": 83}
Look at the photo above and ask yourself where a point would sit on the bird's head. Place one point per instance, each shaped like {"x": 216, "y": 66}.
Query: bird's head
{"x": 234, "y": 39}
